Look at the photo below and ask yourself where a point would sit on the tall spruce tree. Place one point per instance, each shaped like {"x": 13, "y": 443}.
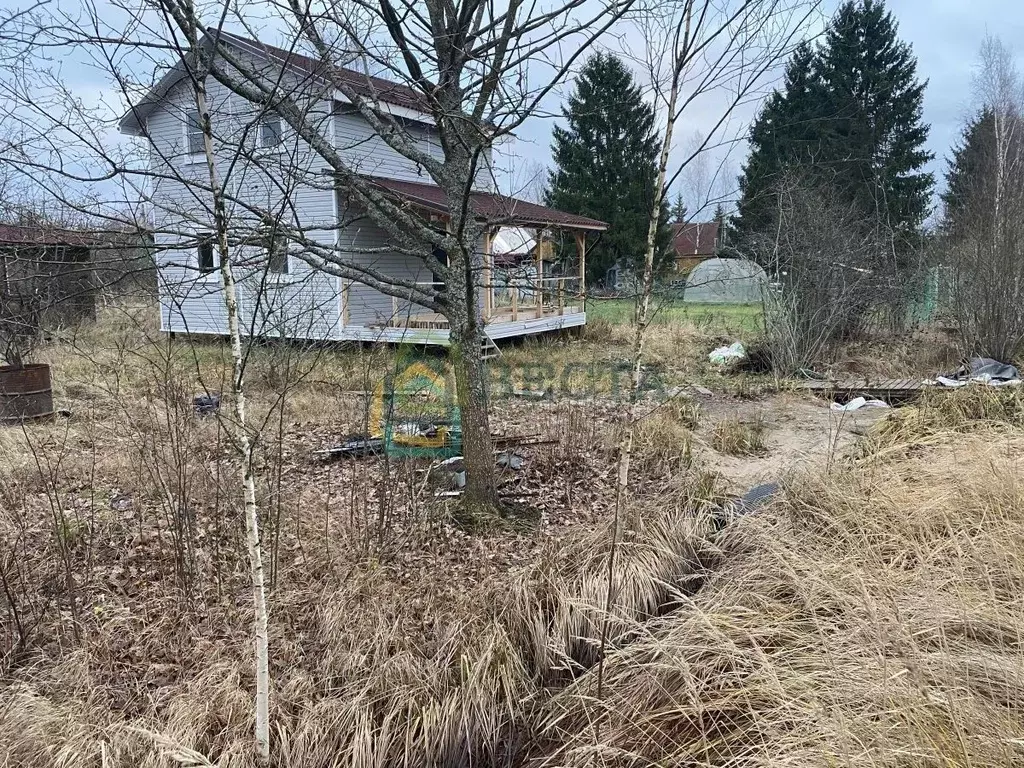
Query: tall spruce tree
{"x": 970, "y": 176}
{"x": 606, "y": 164}
{"x": 787, "y": 134}
{"x": 678, "y": 212}
{"x": 849, "y": 116}
{"x": 875, "y": 137}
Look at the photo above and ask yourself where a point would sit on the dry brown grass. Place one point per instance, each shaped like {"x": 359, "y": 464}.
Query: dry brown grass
{"x": 942, "y": 416}
{"x": 737, "y": 437}
{"x": 872, "y": 617}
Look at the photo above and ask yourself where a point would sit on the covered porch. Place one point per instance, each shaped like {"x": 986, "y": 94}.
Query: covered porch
{"x": 529, "y": 283}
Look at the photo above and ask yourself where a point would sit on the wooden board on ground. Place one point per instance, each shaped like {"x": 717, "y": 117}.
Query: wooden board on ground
{"x": 876, "y": 389}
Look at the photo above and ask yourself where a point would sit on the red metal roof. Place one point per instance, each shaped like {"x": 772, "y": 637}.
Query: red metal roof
{"x": 371, "y": 87}
{"x": 695, "y": 239}
{"x": 494, "y": 208}
{"x": 14, "y": 234}
{"x": 364, "y": 85}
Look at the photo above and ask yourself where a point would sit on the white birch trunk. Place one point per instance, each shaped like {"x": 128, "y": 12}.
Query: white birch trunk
{"x": 242, "y": 442}
{"x": 642, "y": 318}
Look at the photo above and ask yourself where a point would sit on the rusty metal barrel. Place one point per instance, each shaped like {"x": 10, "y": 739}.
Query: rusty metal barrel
{"x": 25, "y": 393}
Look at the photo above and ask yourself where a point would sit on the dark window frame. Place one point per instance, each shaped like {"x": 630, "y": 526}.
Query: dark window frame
{"x": 194, "y": 132}
{"x": 271, "y": 127}
{"x": 206, "y": 254}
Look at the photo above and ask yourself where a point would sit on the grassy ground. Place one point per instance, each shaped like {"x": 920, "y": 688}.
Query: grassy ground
{"x": 714, "y": 317}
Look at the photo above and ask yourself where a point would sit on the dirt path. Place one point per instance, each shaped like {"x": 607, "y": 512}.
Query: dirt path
{"x": 801, "y": 432}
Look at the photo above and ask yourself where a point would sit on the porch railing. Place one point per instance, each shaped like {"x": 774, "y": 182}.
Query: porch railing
{"x": 533, "y": 297}
{"x": 512, "y": 300}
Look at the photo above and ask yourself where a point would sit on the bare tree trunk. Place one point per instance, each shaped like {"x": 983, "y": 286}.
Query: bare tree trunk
{"x": 642, "y": 318}
{"x": 243, "y": 444}
{"x": 466, "y": 339}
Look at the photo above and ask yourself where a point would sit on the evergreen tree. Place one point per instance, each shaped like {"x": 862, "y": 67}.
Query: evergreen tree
{"x": 678, "y": 213}
{"x": 874, "y": 137}
{"x": 970, "y": 175}
{"x": 606, "y": 164}
{"x": 720, "y": 219}
{"x": 849, "y": 116}
{"x": 785, "y": 135}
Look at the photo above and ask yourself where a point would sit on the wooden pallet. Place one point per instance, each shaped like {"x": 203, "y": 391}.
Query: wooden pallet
{"x": 878, "y": 389}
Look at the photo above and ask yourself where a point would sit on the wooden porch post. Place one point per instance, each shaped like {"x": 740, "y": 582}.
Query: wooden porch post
{"x": 581, "y": 254}
{"x": 540, "y": 275}
{"x": 345, "y": 306}
{"x": 488, "y": 285}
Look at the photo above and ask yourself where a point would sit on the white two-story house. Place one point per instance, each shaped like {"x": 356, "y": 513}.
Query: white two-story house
{"x": 265, "y": 168}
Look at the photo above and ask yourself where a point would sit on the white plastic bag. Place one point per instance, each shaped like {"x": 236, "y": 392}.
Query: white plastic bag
{"x": 726, "y": 355}
{"x": 859, "y": 402}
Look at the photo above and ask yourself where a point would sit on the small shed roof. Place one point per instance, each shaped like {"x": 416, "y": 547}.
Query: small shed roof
{"x": 14, "y": 234}
{"x": 488, "y": 206}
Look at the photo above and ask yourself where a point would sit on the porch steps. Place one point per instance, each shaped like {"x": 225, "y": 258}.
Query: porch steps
{"x": 488, "y": 349}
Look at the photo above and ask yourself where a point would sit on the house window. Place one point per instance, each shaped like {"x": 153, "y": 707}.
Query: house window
{"x": 207, "y": 262}
{"x": 277, "y": 255}
{"x": 194, "y": 132}
{"x": 438, "y": 280}
{"x": 270, "y": 132}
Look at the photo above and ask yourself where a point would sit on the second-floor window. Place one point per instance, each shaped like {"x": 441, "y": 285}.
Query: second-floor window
{"x": 193, "y": 132}
{"x": 270, "y": 132}
{"x": 206, "y": 255}
{"x": 277, "y": 255}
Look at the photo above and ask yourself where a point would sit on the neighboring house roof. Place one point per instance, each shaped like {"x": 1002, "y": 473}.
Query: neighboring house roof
{"x": 695, "y": 239}
{"x": 364, "y": 85}
{"x": 13, "y": 234}
{"x": 489, "y": 206}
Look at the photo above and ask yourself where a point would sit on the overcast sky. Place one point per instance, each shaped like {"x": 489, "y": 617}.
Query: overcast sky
{"x": 945, "y": 36}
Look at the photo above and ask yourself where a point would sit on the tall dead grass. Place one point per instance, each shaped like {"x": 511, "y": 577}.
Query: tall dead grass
{"x": 872, "y": 618}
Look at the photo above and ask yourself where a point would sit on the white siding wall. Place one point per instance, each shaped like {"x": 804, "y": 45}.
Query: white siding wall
{"x": 368, "y": 306}
{"x": 289, "y": 183}
{"x": 357, "y": 143}
{"x": 292, "y": 184}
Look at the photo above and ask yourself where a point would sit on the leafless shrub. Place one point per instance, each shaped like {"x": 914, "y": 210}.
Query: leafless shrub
{"x": 985, "y": 246}
{"x": 834, "y": 275}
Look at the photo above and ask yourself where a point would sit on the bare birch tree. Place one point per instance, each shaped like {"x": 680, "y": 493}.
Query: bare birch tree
{"x": 243, "y": 443}
{"x": 473, "y": 69}
{"x": 695, "y": 49}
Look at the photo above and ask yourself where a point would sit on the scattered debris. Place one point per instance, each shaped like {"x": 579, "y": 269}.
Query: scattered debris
{"x": 688, "y": 390}
{"x": 749, "y": 503}
{"x": 510, "y": 460}
{"x": 449, "y": 476}
{"x": 535, "y": 394}
{"x": 728, "y": 355}
{"x": 204, "y": 405}
{"x": 520, "y": 441}
{"x": 980, "y": 370}
{"x": 121, "y": 502}
{"x": 354, "y": 446}
{"x": 860, "y": 402}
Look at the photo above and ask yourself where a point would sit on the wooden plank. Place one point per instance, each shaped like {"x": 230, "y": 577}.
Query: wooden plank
{"x": 880, "y": 388}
